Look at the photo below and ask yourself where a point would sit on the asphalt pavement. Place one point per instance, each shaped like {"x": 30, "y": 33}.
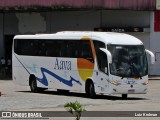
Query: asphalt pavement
{"x": 19, "y": 98}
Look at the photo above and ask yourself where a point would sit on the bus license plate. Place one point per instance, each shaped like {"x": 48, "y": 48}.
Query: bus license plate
{"x": 131, "y": 91}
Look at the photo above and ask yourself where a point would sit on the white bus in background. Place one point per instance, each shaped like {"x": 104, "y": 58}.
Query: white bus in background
{"x": 90, "y": 62}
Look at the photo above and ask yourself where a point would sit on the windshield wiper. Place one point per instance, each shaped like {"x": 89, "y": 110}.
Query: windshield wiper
{"x": 137, "y": 71}
{"x": 134, "y": 67}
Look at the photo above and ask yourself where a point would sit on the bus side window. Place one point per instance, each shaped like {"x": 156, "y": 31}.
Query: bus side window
{"x": 42, "y": 52}
{"x": 101, "y": 57}
{"x": 86, "y": 50}
{"x": 57, "y": 50}
{"x": 103, "y": 63}
{"x": 71, "y": 49}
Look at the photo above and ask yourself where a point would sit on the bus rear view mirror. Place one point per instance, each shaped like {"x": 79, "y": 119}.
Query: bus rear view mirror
{"x": 152, "y": 56}
{"x": 108, "y": 54}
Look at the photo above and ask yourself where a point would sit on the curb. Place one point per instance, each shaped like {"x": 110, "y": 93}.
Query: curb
{"x": 154, "y": 78}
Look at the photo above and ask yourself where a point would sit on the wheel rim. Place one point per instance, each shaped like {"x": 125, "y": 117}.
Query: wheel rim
{"x": 33, "y": 85}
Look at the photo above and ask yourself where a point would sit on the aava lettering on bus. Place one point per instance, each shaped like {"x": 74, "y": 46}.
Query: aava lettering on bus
{"x": 62, "y": 65}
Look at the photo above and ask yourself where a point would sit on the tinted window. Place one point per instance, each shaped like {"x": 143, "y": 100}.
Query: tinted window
{"x": 103, "y": 63}
{"x": 54, "y": 48}
{"x": 101, "y": 57}
{"x": 128, "y": 60}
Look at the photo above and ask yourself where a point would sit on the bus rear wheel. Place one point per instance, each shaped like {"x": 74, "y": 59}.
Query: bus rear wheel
{"x": 90, "y": 91}
{"x": 33, "y": 85}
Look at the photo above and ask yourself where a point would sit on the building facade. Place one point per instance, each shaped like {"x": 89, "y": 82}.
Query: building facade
{"x": 139, "y": 18}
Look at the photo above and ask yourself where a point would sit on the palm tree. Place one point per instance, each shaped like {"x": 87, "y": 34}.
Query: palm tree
{"x": 75, "y": 108}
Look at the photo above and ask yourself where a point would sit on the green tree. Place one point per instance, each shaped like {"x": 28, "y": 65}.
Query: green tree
{"x": 75, "y": 108}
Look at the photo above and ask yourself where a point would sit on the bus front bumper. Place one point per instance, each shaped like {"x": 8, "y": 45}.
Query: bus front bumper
{"x": 129, "y": 89}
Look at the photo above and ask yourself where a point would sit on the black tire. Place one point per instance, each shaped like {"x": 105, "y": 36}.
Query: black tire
{"x": 33, "y": 85}
{"x": 124, "y": 96}
{"x": 90, "y": 91}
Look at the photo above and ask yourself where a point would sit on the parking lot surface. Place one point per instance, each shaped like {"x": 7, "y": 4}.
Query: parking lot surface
{"x": 19, "y": 98}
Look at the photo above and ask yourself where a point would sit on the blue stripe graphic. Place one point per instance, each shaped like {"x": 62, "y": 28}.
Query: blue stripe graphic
{"x": 44, "y": 81}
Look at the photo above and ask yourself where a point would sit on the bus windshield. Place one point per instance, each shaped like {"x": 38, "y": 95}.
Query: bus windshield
{"x": 128, "y": 60}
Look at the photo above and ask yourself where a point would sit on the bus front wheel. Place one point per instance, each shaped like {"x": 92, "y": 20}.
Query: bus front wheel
{"x": 90, "y": 91}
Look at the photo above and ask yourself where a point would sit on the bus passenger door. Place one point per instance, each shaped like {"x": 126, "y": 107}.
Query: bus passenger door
{"x": 103, "y": 71}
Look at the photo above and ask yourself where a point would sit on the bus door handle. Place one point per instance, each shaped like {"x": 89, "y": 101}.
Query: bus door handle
{"x": 97, "y": 73}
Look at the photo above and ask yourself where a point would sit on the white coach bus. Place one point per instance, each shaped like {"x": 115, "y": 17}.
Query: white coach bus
{"x": 90, "y": 62}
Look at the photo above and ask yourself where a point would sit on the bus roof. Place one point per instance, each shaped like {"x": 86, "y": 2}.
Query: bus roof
{"x": 106, "y": 37}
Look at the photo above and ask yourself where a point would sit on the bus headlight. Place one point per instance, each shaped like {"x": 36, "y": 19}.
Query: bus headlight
{"x": 145, "y": 82}
{"x": 115, "y": 83}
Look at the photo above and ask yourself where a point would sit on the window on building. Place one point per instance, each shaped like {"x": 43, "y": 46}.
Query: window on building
{"x": 157, "y": 21}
